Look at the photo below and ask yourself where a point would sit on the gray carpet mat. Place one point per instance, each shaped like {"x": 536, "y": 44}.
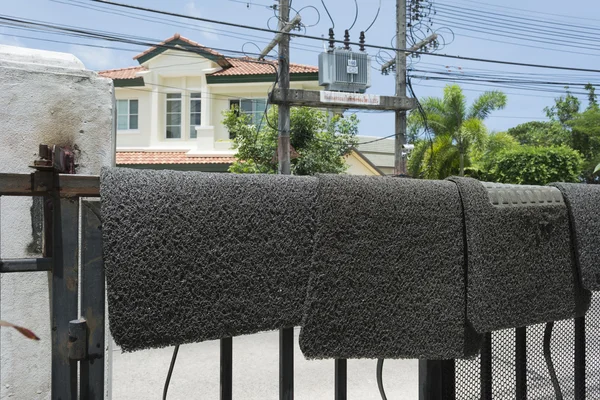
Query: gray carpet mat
{"x": 388, "y": 271}
{"x": 583, "y": 202}
{"x": 197, "y": 256}
{"x": 521, "y": 268}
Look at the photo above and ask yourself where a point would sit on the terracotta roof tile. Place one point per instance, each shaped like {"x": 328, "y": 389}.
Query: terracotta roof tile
{"x": 167, "y": 157}
{"x": 250, "y": 66}
{"x": 122, "y": 73}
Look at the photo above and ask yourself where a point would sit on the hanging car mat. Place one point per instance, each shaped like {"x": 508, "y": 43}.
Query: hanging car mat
{"x": 583, "y": 203}
{"x": 197, "y": 256}
{"x": 520, "y": 262}
{"x": 387, "y": 279}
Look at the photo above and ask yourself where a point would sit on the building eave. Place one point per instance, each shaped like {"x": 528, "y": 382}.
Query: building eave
{"x": 254, "y": 78}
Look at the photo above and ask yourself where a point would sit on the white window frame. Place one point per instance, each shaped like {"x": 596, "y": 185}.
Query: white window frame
{"x": 129, "y": 114}
{"x": 181, "y": 115}
{"x": 253, "y": 100}
{"x": 192, "y": 128}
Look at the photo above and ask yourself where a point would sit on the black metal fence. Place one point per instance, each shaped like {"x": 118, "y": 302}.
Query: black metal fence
{"x": 559, "y": 360}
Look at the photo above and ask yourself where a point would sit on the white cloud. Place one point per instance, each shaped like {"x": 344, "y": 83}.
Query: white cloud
{"x": 192, "y": 10}
{"x": 97, "y": 58}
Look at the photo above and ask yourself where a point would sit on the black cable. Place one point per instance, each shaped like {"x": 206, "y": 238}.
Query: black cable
{"x": 247, "y": 3}
{"x": 549, "y": 363}
{"x": 527, "y": 45}
{"x": 530, "y": 21}
{"x": 164, "y": 21}
{"x": 490, "y": 29}
{"x": 489, "y": 78}
{"x": 536, "y": 12}
{"x": 108, "y": 36}
{"x": 255, "y": 45}
{"x": 168, "y": 381}
{"x": 374, "y": 19}
{"x": 424, "y": 117}
{"x": 328, "y": 14}
{"x": 355, "y": 15}
{"x": 318, "y": 16}
{"x": 320, "y": 39}
{"x": 380, "y": 378}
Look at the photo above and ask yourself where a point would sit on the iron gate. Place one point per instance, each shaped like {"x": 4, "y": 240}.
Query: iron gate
{"x": 559, "y": 360}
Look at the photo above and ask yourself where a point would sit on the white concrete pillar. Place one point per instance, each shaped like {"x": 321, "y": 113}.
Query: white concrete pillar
{"x": 207, "y": 106}
{"x": 45, "y": 98}
{"x": 155, "y": 131}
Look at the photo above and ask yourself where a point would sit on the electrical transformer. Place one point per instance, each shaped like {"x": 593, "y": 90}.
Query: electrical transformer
{"x": 343, "y": 70}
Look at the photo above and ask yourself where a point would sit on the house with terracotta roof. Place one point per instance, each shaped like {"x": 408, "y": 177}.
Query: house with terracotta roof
{"x": 170, "y": 106}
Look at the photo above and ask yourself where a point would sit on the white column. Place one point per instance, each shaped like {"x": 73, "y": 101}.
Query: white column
{"x": 206, "y": 105}
{"x": 155, "y": 117}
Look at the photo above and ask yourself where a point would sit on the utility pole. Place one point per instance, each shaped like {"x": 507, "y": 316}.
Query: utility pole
{"x": 399, "y": 160}
{"x": 286, "y": 335}
{"x": 283, "y": 147}
{"x": 416, "y": 47}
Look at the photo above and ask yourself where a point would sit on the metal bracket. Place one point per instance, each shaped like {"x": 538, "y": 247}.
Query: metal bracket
{"x": 78, "y": 339}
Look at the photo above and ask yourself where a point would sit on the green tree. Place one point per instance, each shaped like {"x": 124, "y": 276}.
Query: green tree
{"x": 592, "y": 99}
{"x": 538, "y": 133}
{"x": 564, "y": 108}
{"x": 319, "y": 143}
{"x": 531, "y": 165}
{"x": 484, "y": 155}
{"x": 456, "y": 128}
{"x": 585, "y": 138}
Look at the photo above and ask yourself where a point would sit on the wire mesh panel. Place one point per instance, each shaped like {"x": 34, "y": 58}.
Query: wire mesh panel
{"x": 562, "y": 351}
{"x": 503, "y": 364}
{"x": 561, "y": 340}
{"x": 468, "y": 384}
{"x": 592, "y": 349}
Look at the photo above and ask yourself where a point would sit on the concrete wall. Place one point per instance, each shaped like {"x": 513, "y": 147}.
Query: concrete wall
{"x": 49, "y": 98}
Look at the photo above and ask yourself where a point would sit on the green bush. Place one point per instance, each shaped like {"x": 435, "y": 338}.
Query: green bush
{"x": 530, "y": 165}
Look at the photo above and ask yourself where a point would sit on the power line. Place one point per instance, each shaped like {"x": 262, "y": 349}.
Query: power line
{"x": 355, "y": 15}
{"x": 526, "y": 45}
{"x": 374, "y": 19}
{"x": 499, "y": 79}
{"x": 328, "y": 14}
{"x": 103, "y": 36}
{"x": 490, "y": 27}
{"x": 536, "y": 12}
{"x": 141, "y": 17}
{"x": 530, "y": 20}
{"x": 476, "y": 59}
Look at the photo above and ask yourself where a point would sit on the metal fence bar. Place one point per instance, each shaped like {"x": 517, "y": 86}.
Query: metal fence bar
{"x": 341, "y": 379}
{"x": 25, "y": 264}
{"x": 486, "y": 367}
{"x": 431, "y": 380}
{"x": 521, "y": 363}
{"x": 580, "y": 390}
{"x": 286, "y": 364}
{"x": 64, "y": 296}
{"x": 33, "y": 185}
{"x": 92, "y": 302}
{"x": 449, "y": 379}
{"x": 226, "y": 387}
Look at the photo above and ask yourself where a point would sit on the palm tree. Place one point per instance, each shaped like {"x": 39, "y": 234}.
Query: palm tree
{"x": 455, "y": 128}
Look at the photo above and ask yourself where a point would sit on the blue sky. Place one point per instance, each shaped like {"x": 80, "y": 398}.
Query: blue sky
{"x": 471, "y": 39}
